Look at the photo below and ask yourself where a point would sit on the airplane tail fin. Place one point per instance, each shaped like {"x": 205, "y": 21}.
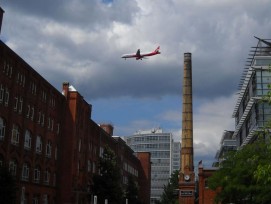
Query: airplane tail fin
{"x": 157, "y": 50}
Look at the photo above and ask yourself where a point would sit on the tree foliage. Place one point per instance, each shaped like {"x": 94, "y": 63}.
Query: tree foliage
{"x": 168, "y": 196}
{"x": 132, "y": 191}
{"x": 240, "y": 177}
{"x": 107, "y": 184}
{"x": 7, "y": 186}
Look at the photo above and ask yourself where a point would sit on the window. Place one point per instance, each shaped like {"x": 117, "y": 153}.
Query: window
{"x": 28, "y": 111}
{"x": 6, "y": 97}
{"x": 52, "y": 125}
{"x": 15, "y": 103}
{"x": 39, "y": 117}
{"x": 45, "y": 199}
{"x": 47, "y": 176}
{"x": 58, "y": 128}
{"x": 38, "y": 144}
{"x": 89, "y": 165}
{"x": 1, "y": 160}
{"x": 25, "y": 172}
{"x": 21, "y": 105}
{"x": 79, "y": 145}
{"x": 15, "y": 135}
{"x": 37, "y": 174}
{"x": 35, "y": 200}
{"x": 49, "y": 123}
{"x": 49, "y": 149}
{"x": 27, "y": 140}
{"x": 13, "y": 167}
{"x": 2, "y": 128}
{"x": 32, "y": 113}
{"x": 56, "y": 153}
{"x": 2, "y": 92}
{"x": 42, "y": 119}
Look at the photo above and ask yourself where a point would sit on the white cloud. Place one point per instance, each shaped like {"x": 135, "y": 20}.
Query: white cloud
{"x": 82, "y": 41}
{"x": 210, "y": 120}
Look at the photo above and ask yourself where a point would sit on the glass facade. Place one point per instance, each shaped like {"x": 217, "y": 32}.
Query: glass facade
{"x": 160, "y": 145}
{"x": 251, "y": 112}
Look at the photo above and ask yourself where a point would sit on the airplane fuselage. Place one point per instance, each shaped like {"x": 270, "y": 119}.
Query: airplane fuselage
{"x": 139, "y": 55}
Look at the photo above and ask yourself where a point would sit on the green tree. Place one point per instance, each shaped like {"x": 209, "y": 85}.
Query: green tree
{"x": 7, "y": 186}
{"x": 132, "y": 191}
{"x": 107, "y": 184}
{"x": 237, "y": 178}
{"x": 169, "y": 195}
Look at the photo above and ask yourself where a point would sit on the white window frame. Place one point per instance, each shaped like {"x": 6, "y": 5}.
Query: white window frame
{"x": 2, "y": 128}
{"x": 28, "y": 111}
{"x": 39, "y": 117}
{"x": 42, "y": 119}
{"x": 38, "y": 145}
{"x": 13, "y": 167}
{"x": 47, "y": 176}
{"x": 35, "y": 200}
{"x": 49, "y": 148}
{"x": 36, "y": 174}
{"x": 15, "y": 108}
{"x": 45, "y": 199}
{"x": 27, "y": 139}
{"x": 21, "y": 105}
{"x": 56, "y": 153}
{"x": 32, "y": 113}
{"x": 15, "y": 137}
{"x": 25, "y": 172}
{"x": 2, "y": 93}
{"x": 6, "y": 97}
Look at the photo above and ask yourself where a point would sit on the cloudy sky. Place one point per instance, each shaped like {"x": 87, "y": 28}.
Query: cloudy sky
{"x": 81, "y": 41}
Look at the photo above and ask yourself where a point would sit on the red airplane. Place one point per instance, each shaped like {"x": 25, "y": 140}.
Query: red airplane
{"x": 141, "y": 56}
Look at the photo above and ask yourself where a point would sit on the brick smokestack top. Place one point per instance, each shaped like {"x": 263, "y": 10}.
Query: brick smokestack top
{"x": 107, "y": 128}
{"x": 65, "y": 88}
{"x": 187, "y": 152}
{"x": 1, "y": 17}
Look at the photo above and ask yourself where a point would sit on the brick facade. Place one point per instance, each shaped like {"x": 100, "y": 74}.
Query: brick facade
{"x": 206, "y": 195}
{"x": 49, "y": 141}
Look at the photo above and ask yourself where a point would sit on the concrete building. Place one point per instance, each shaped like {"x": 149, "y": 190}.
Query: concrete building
{"x": 49, "y": 141}
{"x": 250, "y": 113}
{"x": 227, "y": 143}
{"x": 160, "y": 145}
{"x": 176, "y": 162}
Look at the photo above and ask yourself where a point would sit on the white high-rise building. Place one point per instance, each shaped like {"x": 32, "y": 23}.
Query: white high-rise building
{"x": 160, "y": 145}
{"x": 176, "y": 151}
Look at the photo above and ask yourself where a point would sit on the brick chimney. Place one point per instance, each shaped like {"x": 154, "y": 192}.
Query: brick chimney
{"x": 107, "y": 128}
{"x": 65, "y": 88}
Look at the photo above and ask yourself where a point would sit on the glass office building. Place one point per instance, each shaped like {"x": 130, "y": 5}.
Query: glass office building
{"x": 250, "y": 112}
{"x": 160, "y": 145}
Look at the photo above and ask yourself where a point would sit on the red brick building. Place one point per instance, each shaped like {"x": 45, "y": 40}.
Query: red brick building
{"x": 206, "y": 195}
{"x": 50, "y": 143}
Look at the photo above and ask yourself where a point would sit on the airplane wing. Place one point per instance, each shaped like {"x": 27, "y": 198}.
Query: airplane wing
{"x": 138, "y": 55}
